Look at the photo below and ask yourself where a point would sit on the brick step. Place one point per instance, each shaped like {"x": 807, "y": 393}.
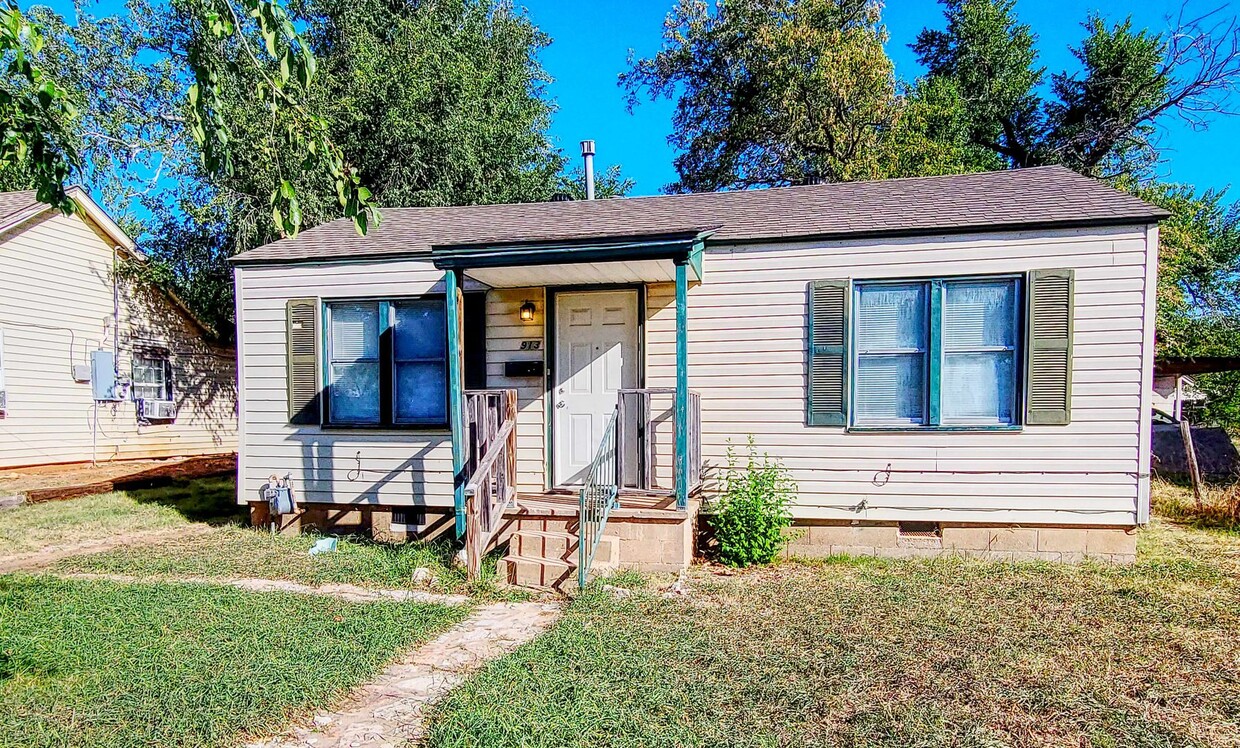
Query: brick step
{"x": 560, "y": 546}
{"x": 538, "y": 573}
{"x": 548, "y": 560}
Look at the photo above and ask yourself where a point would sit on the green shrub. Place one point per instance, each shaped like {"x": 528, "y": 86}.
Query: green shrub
{"x": 751, "y": 513}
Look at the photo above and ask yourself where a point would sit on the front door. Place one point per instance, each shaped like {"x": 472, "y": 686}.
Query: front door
{"x": 595, "y": 355}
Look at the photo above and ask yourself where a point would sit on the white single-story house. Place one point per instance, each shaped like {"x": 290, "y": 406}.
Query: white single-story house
{"x": 958, "y": 363}
{"x": 95, "y": 367}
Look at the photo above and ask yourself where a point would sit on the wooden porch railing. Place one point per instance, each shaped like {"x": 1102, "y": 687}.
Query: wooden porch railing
{"x": 491, "y": 419}
{"x": 636, "y": 437}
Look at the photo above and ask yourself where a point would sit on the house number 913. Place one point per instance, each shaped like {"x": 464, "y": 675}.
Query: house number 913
{"x": 531, "y": 345}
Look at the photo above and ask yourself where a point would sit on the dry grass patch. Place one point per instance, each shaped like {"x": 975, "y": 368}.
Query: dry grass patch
{"x": 30, "y": 527}
{"x": 867, "y": 652}
{"x": 1220, "y": 504}
{"x": 238, "y": 552}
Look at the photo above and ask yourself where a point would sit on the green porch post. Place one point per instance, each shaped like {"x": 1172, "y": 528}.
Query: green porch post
{"x": 456, "y": 393}
{"x": 682, "y": 385}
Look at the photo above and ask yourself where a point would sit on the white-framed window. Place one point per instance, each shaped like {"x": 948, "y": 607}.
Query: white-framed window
{"x": 937, "y": 353}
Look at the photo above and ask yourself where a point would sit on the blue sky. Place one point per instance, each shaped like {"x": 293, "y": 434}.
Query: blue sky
{"x": 592, "y": 40}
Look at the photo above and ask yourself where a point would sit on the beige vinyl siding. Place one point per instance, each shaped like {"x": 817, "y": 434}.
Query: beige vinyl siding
{"x": 505, "y": 334}
{"x": 747, "y": 327}
{"x": 747, "y": 358}
{"x": 56, "y": 305}
{"x": 401, "y": 467}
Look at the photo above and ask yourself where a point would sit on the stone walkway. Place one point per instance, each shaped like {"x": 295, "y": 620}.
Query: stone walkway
{"x": 349, "y": 592}
{"x": 389, "y": 711}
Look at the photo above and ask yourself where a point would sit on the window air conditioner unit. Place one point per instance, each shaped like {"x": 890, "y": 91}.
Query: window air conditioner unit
{"x": 157, "y": 410}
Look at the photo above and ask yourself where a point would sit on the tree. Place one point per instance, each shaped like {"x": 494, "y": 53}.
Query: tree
{"x": 428, "y": 103}
{"x": 1199, "y": 286}
{"x": 611, "y": 182}
{"x": 771, "y": 92}
{"x": 130, "y": 103}
{"x": 931, "y": 135}
{"x": 438, "y": 103}
{"x": 36, "y": 145}
{"x": 1100, "y": 120}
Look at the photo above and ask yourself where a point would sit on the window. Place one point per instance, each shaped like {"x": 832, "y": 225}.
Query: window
{"x": 353, "y": 363}
{"x": 892, "y": 348}
{"x": 979, "y": 352}
{"x": 421, "y": 362}
{"x": 387, "y": 363}
{"x": 936, "y": 353}
{"x": 152, "y": 378}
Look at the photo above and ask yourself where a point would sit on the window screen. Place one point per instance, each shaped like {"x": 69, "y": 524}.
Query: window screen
{"x": 353, "y": 362}
{"x": 892, "y": 346}
{"x": 419, "y": 354}
{"x": 979, "y": 352}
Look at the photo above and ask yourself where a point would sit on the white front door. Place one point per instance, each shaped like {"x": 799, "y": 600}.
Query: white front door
{"x": 595, "y": 355}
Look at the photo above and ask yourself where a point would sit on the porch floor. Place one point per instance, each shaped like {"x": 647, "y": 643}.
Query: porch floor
{"x": 633, "y": 503}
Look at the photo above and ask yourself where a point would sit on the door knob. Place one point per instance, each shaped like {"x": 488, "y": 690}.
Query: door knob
{"x": 560, "y": 404}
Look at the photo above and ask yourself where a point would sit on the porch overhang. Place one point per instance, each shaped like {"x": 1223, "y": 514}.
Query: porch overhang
{"x": 603, "y": 260}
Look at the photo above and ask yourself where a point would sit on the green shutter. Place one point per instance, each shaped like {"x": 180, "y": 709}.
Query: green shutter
{"x": 1048, "y": 369}
{"x": 303, "y": 361}
{"x": 828, "y": 353}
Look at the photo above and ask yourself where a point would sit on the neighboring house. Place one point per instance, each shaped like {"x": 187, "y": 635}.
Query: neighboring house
{"x": 1176, "y": 395}
{"x": 1178, "y": 401}
{"x": 93, "y": 367}
{"x": 949, "y": 363}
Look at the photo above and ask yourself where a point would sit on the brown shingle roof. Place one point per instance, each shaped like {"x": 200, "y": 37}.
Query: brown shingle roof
{"x": 15, "y": 202}
{"x": 1045, "y": 196}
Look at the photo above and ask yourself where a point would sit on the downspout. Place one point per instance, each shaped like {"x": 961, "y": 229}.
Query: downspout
{"x": 116, "y": 314}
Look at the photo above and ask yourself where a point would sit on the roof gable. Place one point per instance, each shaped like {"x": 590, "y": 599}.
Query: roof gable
{"x": 16, "y": 208}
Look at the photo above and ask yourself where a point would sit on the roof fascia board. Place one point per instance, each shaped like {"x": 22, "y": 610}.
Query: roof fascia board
{"x": 104, "y": 221}
{"x": 668, "y": 247}
{"x": 989, "y": 228}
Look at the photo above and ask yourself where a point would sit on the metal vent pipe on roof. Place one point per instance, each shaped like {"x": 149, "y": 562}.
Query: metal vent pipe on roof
{"x": 587, "y": 153}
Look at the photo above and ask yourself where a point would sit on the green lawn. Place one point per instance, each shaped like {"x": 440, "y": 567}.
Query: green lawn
{"x": 228, "y": 550}
{"x": 866, "y": 652}
{"x": 103, "y": 665}
{"x": 231, "y": 552}
{"x": 28, "y": 528}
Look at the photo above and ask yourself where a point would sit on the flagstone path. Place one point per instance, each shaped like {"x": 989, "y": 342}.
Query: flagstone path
{"x": 389, "y": 712}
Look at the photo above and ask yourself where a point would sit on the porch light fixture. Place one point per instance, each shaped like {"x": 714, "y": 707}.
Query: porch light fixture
{"x": 527, "y": 311}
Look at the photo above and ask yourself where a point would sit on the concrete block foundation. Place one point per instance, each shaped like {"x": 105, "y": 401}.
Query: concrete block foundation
{"x": 816, "y": 539}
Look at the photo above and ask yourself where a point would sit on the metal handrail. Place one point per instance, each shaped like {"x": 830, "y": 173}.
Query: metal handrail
{"x": 598, "y": 498}
{"x": 636, "y": 436}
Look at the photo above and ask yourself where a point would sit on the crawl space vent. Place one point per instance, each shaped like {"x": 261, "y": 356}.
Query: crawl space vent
{"x": 925, "y": 530}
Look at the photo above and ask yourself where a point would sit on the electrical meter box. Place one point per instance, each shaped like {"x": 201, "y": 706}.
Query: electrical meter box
{"x": 103, "y": 375}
